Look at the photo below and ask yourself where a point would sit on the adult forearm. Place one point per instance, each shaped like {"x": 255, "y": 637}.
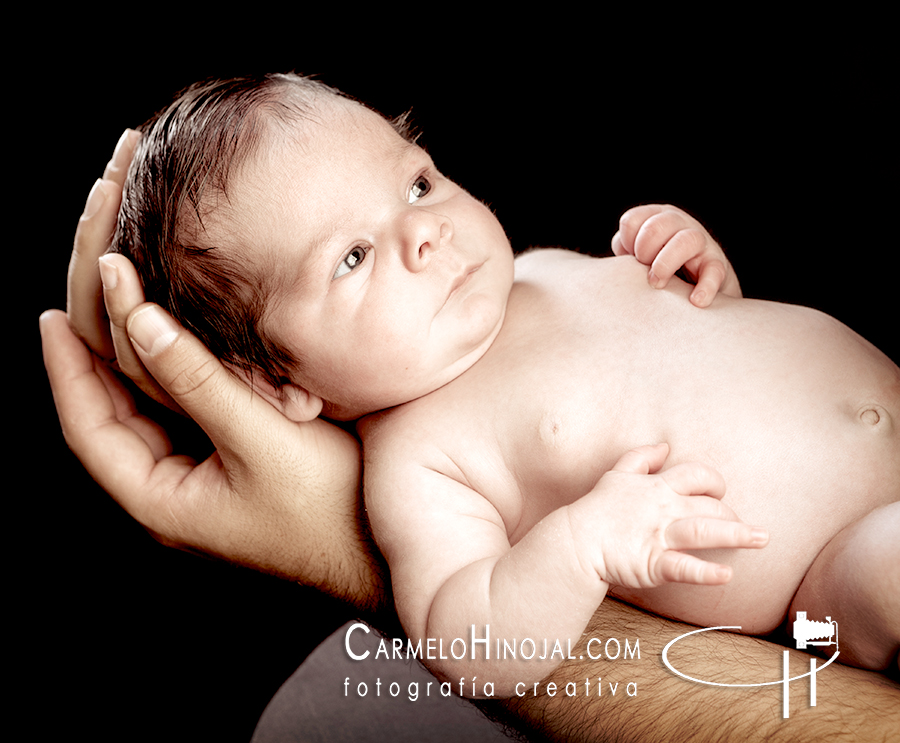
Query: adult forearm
{"x": 651, "y": 703}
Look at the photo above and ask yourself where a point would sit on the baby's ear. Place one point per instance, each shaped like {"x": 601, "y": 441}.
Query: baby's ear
{"x": 296, "y": 403}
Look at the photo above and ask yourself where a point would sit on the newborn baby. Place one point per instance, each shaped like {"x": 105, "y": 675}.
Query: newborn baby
{"x": 539, "y": 431}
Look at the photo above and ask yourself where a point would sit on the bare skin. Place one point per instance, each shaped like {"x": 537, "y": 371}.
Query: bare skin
{"x": 781, "y": 400}
{"x": 509, "y": 401}
{"x": 188, "y": 512}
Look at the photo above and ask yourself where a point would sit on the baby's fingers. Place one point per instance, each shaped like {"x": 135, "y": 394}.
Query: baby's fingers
{"x": 694, "y": 478}
{"x": 677, "y": 567}
{"x": 630, "y": 224}
{"x": 679, "y": 249}
{"x": 712, "y": 533}
{"x": 712, "y": 276}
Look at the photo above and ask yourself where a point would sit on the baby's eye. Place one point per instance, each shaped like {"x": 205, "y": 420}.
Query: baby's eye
{"x": 350, "y": 261}
{"x": 420, "y": 187}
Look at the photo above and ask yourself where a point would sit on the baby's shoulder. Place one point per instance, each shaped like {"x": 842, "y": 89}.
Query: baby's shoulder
{"x": 535, "y": 260}
{"x": 550, "y": 265}
{"x": 406, "y": 433}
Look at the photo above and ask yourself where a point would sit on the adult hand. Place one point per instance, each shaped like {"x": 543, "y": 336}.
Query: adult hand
{"x": 277, "y": 496}
{"x": 92, "y": 236}
{"x": 105, "y": 334}
{"x": 280, "y": 497}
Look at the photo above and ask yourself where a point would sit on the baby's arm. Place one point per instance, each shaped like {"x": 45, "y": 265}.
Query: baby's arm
{"x": 452, "y": 566}
{"x": 666, "y": 238}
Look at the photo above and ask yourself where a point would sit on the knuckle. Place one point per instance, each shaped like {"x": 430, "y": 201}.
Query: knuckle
{"x": 632, "y": 219}
{"x": 692, "y": 238}
{"x": 692, "y": 470}
{"x": 700, "y": 532}
{"x": 714, "y": 271}
{"x": 653, "y": 226}
{"x": 117, "y": 312}
{"x": 679, "y": 569}
{"x": 189, "y": 380}
{"x": 128, "y": 364}
{"x": 631, "y": 216}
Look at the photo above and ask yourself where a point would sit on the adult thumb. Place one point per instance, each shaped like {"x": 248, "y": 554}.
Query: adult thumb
{"x": 220, "y": 403}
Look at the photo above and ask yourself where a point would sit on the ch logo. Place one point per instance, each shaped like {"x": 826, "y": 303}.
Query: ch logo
{"x": 806, "y": 632}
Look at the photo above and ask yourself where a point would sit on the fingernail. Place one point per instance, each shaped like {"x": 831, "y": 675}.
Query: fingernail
{"x": 152, "y": 330}
{"x": 120, "y": 146}
{"x": 759, "y": 536}
{"x": 95, "y": 199}
{"x": 109, "y": 274}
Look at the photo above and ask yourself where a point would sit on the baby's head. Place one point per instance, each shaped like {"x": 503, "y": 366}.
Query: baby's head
{"x": 312, "y": 246}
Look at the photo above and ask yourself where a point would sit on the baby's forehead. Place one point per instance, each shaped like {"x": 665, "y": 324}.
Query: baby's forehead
{"x": 334, "y": 120}
{"x": 283, "y": 179}
{"x": 338, "y": 136}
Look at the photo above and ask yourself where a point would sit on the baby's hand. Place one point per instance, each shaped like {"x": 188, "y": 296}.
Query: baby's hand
{"x": 666, "y": 239}
{"x": 634, "y": 524}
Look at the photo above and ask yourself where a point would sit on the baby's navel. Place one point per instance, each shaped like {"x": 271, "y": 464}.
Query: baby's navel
{"x": 876, "y": 417}
{"x": 870, "y": 416}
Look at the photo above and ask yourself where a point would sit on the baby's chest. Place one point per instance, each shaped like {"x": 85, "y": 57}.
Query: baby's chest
{"x": 528, "y": 454}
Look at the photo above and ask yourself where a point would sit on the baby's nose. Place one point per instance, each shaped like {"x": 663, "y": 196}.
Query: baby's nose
{"x": 424, "y": 233}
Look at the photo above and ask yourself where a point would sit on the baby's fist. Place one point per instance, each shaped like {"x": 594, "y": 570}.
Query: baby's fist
{"x": 667, "y": 239}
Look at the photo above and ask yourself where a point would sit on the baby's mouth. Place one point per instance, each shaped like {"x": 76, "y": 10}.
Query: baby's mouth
{"x": 461, "y": 281}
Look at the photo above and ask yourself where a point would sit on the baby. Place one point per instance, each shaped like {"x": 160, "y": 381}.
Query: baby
{"x": 533, "y": 429}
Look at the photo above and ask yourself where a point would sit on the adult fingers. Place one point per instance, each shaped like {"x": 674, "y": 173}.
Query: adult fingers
{"x": 117, "y": 167}
{"x": 272, "y": 484}
{"x": 242, "y": 425}
{"x": 122, "y": 293}
{"x": 84, "y": 301}
{"x": 119, "y": 448}
{"x": 84, "y": 297}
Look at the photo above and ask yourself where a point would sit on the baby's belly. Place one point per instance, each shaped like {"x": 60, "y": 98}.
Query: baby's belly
{"x": 799, "y": 414}
{"x": 803, "y": 480}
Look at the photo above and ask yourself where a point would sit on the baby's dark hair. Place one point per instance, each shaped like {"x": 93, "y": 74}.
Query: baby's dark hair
{"x": 178, "y": 178}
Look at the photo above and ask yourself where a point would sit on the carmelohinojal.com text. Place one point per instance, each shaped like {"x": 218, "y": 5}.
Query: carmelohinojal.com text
{"x": 396, "y": 648}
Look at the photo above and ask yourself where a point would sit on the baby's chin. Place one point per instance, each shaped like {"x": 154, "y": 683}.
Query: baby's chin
{"x": 360, "y": 409}
{"x": 352, "y": 412}
{"x": 363, "y": 406}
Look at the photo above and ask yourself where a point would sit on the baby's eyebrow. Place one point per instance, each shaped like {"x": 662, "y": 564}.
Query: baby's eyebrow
{"x": 406, "y": 150}
{"x": 296, "y": 271}
{"x": 315, "y": 253}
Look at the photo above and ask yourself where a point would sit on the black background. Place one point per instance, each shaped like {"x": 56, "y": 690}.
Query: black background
{"x": 785, "y": 156}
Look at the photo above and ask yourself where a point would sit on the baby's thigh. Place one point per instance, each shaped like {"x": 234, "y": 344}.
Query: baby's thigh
{"x": 856, "y": 580}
